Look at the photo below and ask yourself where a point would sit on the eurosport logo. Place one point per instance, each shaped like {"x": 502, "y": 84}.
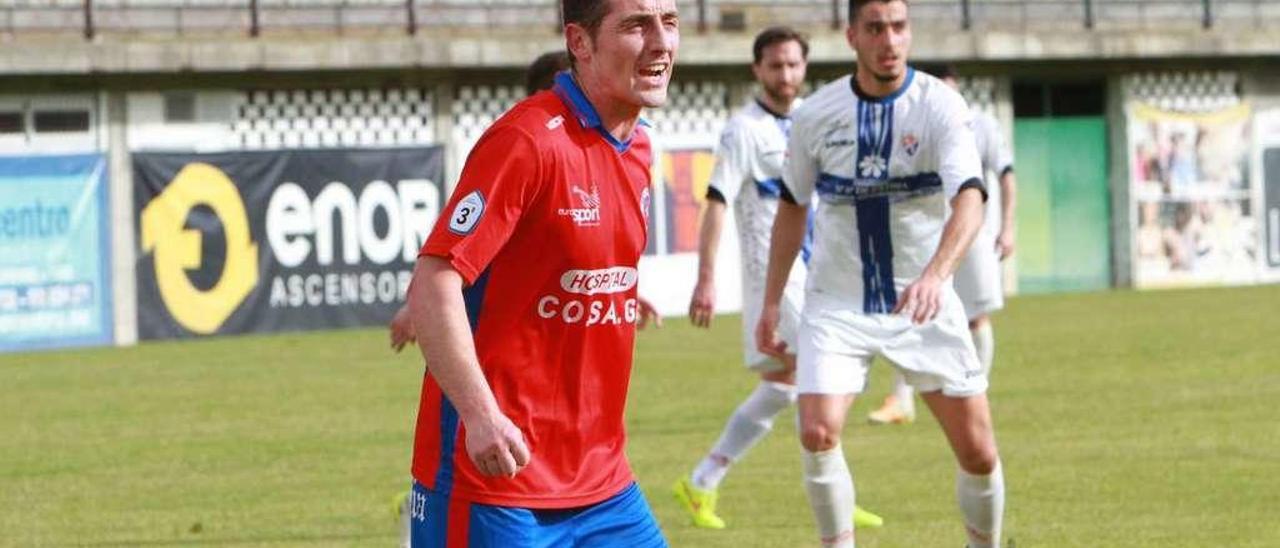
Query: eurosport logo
{"x": 588, "y": 212}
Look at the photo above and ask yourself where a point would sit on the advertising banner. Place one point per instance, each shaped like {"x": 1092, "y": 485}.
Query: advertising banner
{"x": 244, "y": 242}
{"x": 55, "y": 288}
{"x": 1194, "y": 205}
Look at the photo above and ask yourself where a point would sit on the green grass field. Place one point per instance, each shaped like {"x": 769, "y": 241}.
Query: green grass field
{"x": 1124, "y": 419}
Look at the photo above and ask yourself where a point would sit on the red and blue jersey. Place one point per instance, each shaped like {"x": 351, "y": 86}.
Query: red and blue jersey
{"x": 546, "y": 226}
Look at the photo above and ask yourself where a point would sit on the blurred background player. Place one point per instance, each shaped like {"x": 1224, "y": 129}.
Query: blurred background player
{"x": 751, "y": 153}
{"x": 886, "y": 151}
{"x": 978, "y": 281}
{"x": 520, "y": 438}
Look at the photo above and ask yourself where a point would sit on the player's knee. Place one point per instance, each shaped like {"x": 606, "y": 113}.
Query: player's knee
{"x": 817, "y": 436}
{"x": 978, "y": 461}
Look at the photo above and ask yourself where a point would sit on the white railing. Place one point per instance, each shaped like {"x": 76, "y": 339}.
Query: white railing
{"x": 90, "y": 17}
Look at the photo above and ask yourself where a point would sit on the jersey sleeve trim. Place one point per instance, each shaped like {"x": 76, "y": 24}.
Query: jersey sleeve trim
{"x": 974, "y": 183}
{"x": 468, "y": 271}
{"x": 714, "y": 195}
{"x": 786, "y": 194}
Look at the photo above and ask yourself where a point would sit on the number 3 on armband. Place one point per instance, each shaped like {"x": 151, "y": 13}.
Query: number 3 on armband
{"x": 467, "y": 213}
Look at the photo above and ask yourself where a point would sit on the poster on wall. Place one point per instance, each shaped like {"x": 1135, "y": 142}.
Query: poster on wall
{"x": 245, "y": 242}
{"x": 1193, "y": 198}
{"x": 686, "y": 174}
{"x": 55, "y": 288}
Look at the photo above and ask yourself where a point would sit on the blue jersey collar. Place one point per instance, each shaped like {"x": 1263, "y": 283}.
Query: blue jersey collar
{"x": 567, "y": 89}
{"x": 853, "y": 83}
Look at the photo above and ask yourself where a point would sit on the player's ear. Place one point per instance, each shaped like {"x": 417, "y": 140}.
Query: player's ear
{"x": 851, "y": 35}
{"x": 577, "y": 40}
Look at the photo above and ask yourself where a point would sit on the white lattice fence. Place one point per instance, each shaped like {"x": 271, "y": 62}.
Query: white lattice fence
{"x": 980, "y": 93}
{"x": 695, "y": 113}
{"x": 1184, "y": 91}
{"x": 475, "y": 108}
{"x": 268, "y": 119}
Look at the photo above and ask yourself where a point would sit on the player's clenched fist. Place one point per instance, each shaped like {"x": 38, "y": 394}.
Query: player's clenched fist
{"x": 496, "y": 446}
{"x": 767, "y": 340}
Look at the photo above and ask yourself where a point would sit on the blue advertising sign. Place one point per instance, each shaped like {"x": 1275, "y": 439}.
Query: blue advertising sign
{"x": 55, "y": 288}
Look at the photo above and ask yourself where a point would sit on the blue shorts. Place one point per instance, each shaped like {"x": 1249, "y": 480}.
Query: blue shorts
{"x": 621, "y": 520}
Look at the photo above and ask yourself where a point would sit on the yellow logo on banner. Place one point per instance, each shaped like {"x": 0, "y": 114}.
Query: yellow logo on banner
{"x": 177, "y": 249}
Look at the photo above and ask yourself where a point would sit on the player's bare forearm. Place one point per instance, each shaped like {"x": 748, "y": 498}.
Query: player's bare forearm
{"x": 1008, "y": 199}
{"x": 709, "y": 240}
{"x": 788, "y": 236}
{"x": 440, "y": 320}
{"x": 922, "y": 299}
{"x": 957, "y": 234}
{"x": 702, "y": 305}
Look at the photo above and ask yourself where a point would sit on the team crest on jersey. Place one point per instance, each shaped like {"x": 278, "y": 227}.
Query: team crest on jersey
{"x": 645, "y": 199}
{"x": 587, "y": 212}
{"x": 910, "y": 144}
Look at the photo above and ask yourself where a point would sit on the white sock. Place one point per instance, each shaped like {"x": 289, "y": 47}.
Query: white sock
{"x": 981, "y": 501}
{"x": 831, "y": 496}
{"x": 985, "y": 343}
{"x": 747, "y": 426}
{"x": 905, "y": 394}
{"x": 406, "y": 521}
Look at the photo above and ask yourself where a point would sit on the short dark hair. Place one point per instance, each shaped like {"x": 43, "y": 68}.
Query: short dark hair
{"x": 941, "y": 71}
{"x": 778, "y": 35}
{"x": 856, "y": 5}
{"x": 542, "y": 72}
{"x": 587, "y": 14}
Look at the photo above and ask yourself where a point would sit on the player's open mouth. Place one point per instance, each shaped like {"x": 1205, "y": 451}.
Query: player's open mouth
{"x": 655, "y": 70}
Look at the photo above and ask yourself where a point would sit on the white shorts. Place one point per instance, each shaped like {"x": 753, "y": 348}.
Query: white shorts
{"x": 788, "y": 326}
{"x": 838, "y": 341}
{"x": 978, "y": 281}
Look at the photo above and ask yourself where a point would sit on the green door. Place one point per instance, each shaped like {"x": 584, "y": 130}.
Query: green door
{"x": 1064, "y": 217}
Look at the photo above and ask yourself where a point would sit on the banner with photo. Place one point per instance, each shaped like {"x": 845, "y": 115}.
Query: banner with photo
{"x": 55, "y": 285}
{"x": 244, "y": 242}
{"x": 1194, "y": 200}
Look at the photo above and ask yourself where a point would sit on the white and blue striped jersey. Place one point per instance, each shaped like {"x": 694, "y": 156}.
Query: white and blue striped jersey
{"x": 884, "y": 170}
{"x": 997, "y": 159}
{"x": 748, "y": 175}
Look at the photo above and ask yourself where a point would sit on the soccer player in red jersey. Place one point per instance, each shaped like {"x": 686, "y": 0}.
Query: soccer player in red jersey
{"x": 525, "y": 300}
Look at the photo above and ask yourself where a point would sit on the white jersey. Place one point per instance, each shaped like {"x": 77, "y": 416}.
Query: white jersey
{"x": 884, "y": 170}
{"x": 996, "y": 160}
{"x": 748, "y": 173}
